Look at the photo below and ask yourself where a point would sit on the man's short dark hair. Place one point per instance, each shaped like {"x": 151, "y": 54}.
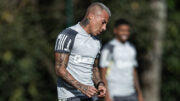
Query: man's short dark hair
{"x": 121, "y": 21}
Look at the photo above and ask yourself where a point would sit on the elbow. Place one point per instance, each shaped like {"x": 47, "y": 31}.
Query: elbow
{"x": 60, "y": 72}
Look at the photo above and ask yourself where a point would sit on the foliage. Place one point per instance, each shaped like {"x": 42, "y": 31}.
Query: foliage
{"x": 171, "y": 57}
{"x": 28, "y": 29}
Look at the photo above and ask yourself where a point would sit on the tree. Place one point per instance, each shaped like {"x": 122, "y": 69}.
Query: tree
{"x": 152, "y": 76}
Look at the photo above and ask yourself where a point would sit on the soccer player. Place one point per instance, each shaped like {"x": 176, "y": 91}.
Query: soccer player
{"x": 118, "y": 66}
{"x": 76, "y": 57}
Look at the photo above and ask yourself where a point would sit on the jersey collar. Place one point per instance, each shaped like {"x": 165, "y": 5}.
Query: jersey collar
{"x": 116, "y": 41}
{"x": 81, "y": 30}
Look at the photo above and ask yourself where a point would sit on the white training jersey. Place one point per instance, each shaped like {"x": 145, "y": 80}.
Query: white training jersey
{"x": 83, "y": 49}
{"x": 120, "y": 59}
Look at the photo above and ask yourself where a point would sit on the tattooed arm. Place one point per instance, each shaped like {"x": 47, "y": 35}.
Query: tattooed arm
{"x": 61, "y": 60}
{"x": 97, "y": 80}
{"x": 96, "y": 75}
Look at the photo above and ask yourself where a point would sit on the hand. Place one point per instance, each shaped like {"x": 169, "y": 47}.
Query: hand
{"x": 140, "y": 97}
{"x": 101, "y": 90}
{"x": 89, "y": 91}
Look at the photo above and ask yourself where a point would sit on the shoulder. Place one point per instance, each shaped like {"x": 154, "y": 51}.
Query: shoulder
{"x": 65, "y": 40}
{"x": 132, "y": 46}
{"x": 68, "y": 32}
{"x": 109, "y": 46}
{"x": 97, "y": 39}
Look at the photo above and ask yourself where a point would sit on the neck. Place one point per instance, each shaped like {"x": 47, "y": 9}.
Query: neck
{"x": 85, "y": 25}
{"x": 120, "y": 40}
{"x": 85, "y": 28}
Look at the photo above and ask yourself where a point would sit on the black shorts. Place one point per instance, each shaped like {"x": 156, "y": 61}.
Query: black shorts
{"x": 76, "y": 99}
{"x": 132, "y": 97}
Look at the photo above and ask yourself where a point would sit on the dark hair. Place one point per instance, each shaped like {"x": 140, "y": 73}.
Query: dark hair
{"x": 121, "y": 22}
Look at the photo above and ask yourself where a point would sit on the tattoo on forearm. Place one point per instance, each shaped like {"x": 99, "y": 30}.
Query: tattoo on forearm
{"x": 96, "y": 75}
{"x": 82, "y": 87}
{"x": 68, "y": 77}
{"x": 61, "y": 60}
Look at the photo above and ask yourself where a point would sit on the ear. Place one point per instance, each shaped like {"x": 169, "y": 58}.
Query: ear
{"x": 91, "y": 16}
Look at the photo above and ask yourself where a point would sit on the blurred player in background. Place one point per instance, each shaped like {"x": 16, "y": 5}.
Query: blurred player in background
{"x": 118, "y": 66}
{"x": 76, "y": 57}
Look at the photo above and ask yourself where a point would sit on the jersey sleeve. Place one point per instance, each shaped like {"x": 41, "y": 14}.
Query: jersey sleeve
{"x": 65, "y": 41}
{"x": 134, "y": 60}
{"x": 106, "y": 56}
{"x": 135, "y": 63}
{"x": 99, "y": 52}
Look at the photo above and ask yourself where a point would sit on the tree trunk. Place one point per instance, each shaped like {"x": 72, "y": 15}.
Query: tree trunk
{"x": 152, "y": 76}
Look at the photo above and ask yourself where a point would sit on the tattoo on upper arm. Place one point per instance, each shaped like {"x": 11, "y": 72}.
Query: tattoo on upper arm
{"x": 61, "y": 59}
